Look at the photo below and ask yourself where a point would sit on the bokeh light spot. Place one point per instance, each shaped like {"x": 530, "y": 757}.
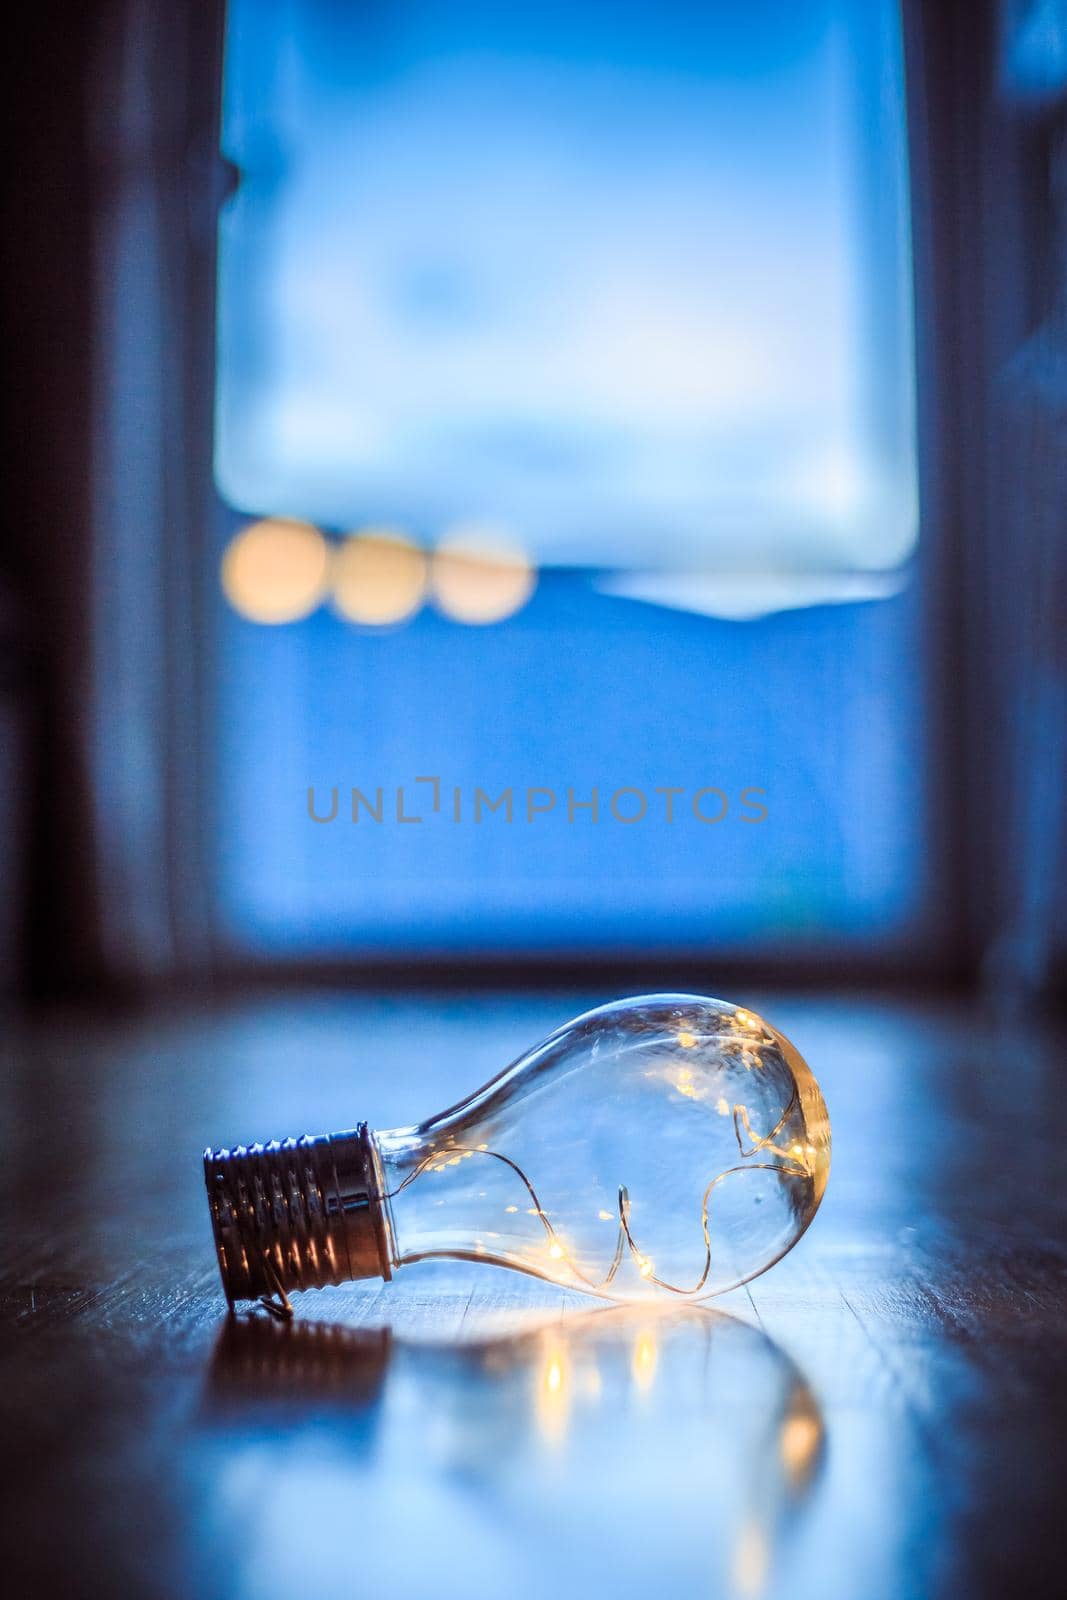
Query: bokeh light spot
{"x": 275, "y": 570}
{"x": 379, "y": 577}
{"x": 480, "y": 574}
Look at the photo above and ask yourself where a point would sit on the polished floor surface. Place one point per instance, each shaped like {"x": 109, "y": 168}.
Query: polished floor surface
{"x": 883, "y": 1414}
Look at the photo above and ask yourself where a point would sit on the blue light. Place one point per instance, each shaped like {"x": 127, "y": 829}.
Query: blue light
{"x": 630, "y": 280}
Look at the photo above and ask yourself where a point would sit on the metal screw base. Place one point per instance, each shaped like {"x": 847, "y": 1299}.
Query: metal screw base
{"x": 297, "y": 1214}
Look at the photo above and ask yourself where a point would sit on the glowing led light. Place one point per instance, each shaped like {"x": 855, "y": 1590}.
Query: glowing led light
{"x": 276, "y": 570}
{"x": 378, "y": 578}
{"x": 480, "y": 574}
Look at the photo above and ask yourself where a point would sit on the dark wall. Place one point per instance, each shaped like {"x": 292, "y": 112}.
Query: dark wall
{"x": 106, "y": 304}
{"x": 46, "y": 310}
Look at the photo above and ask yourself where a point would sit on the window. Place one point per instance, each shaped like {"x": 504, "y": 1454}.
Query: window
{"x": 577, "y": 342}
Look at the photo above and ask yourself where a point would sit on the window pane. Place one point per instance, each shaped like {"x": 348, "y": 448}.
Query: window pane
{"x": 631, "y": 281}
{"x": 624, "y": 288}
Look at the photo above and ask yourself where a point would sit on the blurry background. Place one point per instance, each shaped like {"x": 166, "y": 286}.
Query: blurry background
{"x": 568, "y": 399}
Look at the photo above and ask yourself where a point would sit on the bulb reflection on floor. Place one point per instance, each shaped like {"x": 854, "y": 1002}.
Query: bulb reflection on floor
{"x": 602, "y": 1450}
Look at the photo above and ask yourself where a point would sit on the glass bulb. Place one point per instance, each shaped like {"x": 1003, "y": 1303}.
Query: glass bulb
{"x": 668, "y": 1145}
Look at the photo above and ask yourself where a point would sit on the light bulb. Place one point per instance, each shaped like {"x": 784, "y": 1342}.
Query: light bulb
{"x": 668, "y": 1145}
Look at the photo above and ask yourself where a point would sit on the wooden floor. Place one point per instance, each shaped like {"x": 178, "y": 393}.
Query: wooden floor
{"x": 883, "y": 1414}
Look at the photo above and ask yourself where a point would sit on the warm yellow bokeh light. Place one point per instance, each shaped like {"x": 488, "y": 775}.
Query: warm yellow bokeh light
{"x": 552, "y": 1395}
{"x": 480, "y": 574}
{"x": 276, "y": 570}
{"x": 379, "y": 577}
{"x": 643, "y": 1360}
{"x": 799, "y": 1442}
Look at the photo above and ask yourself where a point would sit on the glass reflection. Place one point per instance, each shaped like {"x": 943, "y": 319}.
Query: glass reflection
{"x": 609, "y": 1449}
